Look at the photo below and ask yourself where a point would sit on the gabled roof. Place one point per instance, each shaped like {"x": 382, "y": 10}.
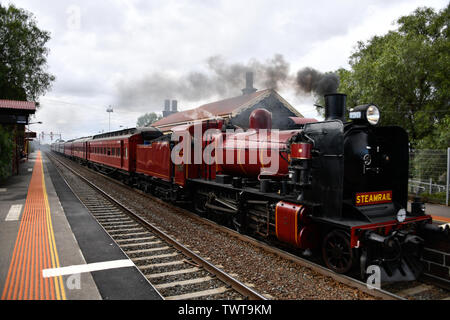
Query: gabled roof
{"x": 224, "y": 108}
{"x": 18, "y": 105}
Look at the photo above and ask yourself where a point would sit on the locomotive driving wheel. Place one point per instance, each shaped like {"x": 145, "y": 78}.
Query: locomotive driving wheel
{"x": 337, "y": 252}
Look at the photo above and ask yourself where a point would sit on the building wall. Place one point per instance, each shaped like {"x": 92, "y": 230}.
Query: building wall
{"x": 280, "y": 113}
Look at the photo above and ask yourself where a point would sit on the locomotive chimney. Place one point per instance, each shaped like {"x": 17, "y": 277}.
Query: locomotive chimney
{"x": 249, "y": 84}
{"x": 335, "y": 107}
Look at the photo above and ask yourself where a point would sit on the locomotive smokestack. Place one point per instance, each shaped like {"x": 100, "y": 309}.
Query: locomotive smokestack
{"x": 249, "y": 84}
{"x": 335, "y": 107}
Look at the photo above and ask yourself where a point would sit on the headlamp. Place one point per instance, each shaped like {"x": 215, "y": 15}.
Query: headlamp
{"x": 373, "y": 115}
{"x": 367, "y": 113}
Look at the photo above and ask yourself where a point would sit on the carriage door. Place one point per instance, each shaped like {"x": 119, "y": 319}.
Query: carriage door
{"x": 122, "y": 153}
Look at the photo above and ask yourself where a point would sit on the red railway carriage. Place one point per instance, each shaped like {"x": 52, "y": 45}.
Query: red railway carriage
{"x": 112, "y": 152}
{"x": 58, "y": 147}
{"x": 68, "y": 151}
{"x": 154, "y": 160}
{"x": 116, "y": 151}
{"x": 79, "y": 149}
{"x": 196, "y": 166}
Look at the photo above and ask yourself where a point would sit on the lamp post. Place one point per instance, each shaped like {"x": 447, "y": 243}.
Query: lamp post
{"x": 110, "y": 110}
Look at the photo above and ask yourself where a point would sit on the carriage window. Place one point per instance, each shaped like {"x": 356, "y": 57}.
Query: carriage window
{"x": 126, "y": 153}
{"x": 109, "y": 151}
{"x": 113, "y": 152}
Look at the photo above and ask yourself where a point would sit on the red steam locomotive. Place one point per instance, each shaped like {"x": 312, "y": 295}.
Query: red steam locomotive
{"x": 337, "y": 186}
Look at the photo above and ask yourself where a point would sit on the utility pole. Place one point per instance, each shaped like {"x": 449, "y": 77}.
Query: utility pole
{"x": 110, "y": 110}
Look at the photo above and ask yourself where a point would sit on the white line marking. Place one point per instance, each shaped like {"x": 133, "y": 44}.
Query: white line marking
{"x": 84, "y": 268}
{"x": 3, "y": 189}
{"x": 14, "y": 213}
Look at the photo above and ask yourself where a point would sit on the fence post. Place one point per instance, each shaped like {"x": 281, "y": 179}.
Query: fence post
{"x": 431, "y": 186}
{"x": 448, "y": 175}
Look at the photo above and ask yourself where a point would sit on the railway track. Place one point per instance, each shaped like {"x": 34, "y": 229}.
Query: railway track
{"x": 173, "y": 269}
{"x": 408, "y": 291}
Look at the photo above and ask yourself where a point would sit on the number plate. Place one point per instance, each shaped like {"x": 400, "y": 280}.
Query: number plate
{"x": 370, "y": 198}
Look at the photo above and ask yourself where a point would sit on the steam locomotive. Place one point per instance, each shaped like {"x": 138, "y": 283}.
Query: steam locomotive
{"x": 336, "y": 187}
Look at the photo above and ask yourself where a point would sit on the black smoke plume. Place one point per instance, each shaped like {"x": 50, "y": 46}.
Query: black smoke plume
{"x": 310, "y": 80}
{"x": 221, "y": 80}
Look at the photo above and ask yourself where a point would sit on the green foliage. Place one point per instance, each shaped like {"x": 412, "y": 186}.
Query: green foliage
{"x": 439, "y": 138}
{"x": 405, "y": 72}
{"x": 439, "y": 197}
{"x": 23, "y": 56}
{"x": 148, "y": 119}
{"x": 6, "y": 152}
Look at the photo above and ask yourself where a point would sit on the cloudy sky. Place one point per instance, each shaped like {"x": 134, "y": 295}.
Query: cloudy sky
{"x": 132, "y": 54}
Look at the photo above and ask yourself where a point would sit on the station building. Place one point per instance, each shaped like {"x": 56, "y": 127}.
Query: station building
{"x": 14, "y": 117}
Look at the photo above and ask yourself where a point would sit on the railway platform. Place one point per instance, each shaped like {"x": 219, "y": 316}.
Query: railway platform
{"x": 51, "y": 247}
{"x": 440, "y": 213}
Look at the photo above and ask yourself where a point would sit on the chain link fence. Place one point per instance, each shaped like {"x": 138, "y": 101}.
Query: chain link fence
{"x": 429, "y": 175}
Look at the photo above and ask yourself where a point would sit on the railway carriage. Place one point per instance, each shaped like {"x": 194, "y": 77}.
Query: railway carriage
{"x": 80, "y": 149}
{"x": 115, "y": 153}
{"x": 68, "y": 149}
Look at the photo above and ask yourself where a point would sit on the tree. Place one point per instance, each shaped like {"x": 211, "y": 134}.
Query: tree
{"x": 23, "y": 64}
{"x": 23, "y": 56}
{"x": 148, "y": 119}
{"x": 405, "y": 72}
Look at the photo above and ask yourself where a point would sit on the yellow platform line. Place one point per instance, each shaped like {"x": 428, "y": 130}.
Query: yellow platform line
{"x": 35, "y": 248}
